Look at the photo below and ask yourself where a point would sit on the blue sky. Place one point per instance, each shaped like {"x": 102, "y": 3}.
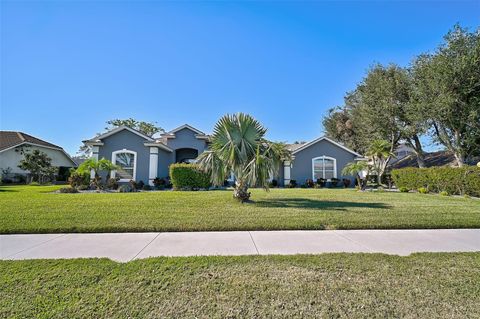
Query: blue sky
{"x": 68, "y": 67}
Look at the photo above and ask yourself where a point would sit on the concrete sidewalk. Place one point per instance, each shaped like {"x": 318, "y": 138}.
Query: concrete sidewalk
{"x": 124, "y": 247}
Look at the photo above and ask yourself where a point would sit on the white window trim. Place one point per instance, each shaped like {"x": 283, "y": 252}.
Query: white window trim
{"x": 324, "y": 157}
{"x": 114, "y": 160}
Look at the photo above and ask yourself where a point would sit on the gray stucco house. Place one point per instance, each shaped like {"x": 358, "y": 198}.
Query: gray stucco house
{"x": 143, "y": 158}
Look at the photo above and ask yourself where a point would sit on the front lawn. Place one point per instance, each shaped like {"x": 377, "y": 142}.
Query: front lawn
{"x": 35, "y": 209}
{"x": 327, "y": 286}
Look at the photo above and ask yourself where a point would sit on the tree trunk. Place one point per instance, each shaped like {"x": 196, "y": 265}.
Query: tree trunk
{"x": 359, "y": 182}
{"x": 241, "y": 192}
{"x": 459, "y": 158}
{"x": 417, "y": 146}
{"x": 363, "y": 185}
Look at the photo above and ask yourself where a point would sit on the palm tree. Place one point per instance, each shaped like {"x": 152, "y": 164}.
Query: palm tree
{"x": 380, "y": 153}
{"x": 108, "y": 166}
{"x": 354, "y": 169}
{"x": 238, "y": 146}
{"x": 96, "y": 166}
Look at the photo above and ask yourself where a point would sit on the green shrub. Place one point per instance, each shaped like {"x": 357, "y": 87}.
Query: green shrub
{"x": 444, "y": 193}
{"x": 292, "y": 184}
{"x": 161, "y": 183}
{"x": 188, "y": 176}
{"x": 112, "y": 183}
{"x": 78, "y": 178}
{"x": 34, "y": 184}
{"x": 423, "y": 190}
{"x": 140, "y": 185}
{"x": 125, "y": 189}
{"x": 309, "y": 183}
{"x": 68, "y": 190}
{"x": 147, "y": 187}
{"x": 346, "y": 182}
{"x": 321, "y": 182}
{"x": 273, "y": 183}
{"x": 403, "y": 189}
{"x": 334, "y": 182}
{"x": 472, "y": 181}
{"x": 133, "y": 185}
{"x": 83, "y": 187}
{"x": 453, "y": 180}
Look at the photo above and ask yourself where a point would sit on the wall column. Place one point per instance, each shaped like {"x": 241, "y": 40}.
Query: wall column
{"x": 153, "y": 166}
{"x": 286, "y": 172}
{"x": 95, "y": 150}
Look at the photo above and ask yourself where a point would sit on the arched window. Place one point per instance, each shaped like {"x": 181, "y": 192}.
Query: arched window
{"x": 127, "y": 161}
{"x": 324, "y": 167}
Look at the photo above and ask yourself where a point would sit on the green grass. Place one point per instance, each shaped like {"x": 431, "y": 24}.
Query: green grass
{"x": 333, "y": 285}
{"x": 35, "y": 209}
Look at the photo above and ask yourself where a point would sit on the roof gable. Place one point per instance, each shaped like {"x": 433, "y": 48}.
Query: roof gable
{"x": 117, "y": 130}
{"x": 198, "y": 134}
{"x": 9, "y": 139}
{"x": 12, "y": 139}
{"x": 191, "y": 128}
{"x": 324, "y": 138}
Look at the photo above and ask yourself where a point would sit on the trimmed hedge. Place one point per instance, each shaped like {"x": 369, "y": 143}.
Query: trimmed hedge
{"x": 453, "y": 180}
{"x": 188, "y": 177}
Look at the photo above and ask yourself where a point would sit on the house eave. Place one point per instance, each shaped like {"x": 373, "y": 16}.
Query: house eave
{"x": 307, "y": 145}
{"x": 159, "y": 145}
{"x": 119, "y": 129}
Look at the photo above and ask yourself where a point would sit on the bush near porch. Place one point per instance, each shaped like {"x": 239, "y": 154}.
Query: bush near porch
{"x": 188, "y": 177}
{"x": 453, "y": 180}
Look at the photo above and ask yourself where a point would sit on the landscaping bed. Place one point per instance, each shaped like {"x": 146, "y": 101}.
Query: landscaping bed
{"x": 424, "y": 285}
{"x": 35, "y": 209}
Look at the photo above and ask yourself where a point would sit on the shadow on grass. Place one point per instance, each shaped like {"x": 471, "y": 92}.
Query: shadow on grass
{"x": 6, "y": 189}
{"x": 317, "y": 204}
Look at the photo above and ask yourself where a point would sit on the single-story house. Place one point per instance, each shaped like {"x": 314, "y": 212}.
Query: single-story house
{"x": 13, "y": 145}
{"x": 438, "y": 158}
{"x": 143, "y": 158}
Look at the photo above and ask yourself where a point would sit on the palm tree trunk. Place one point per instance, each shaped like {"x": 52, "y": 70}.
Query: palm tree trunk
{"x": 240, "y": 191}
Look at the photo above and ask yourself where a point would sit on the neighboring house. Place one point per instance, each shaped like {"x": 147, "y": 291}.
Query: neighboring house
{"x": 440, "y": 158}
{"x": 12, "y": 144}
{"x": 320, "y": 158}
{"x": 143, "y": 158}
{"x": 401, "y": 152}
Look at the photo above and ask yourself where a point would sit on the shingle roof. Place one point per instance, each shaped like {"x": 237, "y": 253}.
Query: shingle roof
{"x": 440, "y": 158}
{"x": 10, "y": 139}
{"x": 293, "y": 147}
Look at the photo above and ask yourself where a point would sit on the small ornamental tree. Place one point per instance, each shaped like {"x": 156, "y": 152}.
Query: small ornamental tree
{"x": 379, "y": 154}
{"x": 39, "y": 165}
{"x": 354, "y": 169}
{"x": 95, "y": 166}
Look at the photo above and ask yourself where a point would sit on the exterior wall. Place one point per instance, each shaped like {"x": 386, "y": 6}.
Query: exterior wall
{"x": 132, "y": 142}
{"x": 185, "y": 138}
{"x": 11, "y": 159}
{"x": 165, "y": 158}
{"x": 125, "y": 139}
{"x": 302, "y": 164}
{"x": 280, "y": 176}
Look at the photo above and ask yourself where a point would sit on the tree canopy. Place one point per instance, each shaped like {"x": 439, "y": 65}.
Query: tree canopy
{"x": 239, "y": 146}
{"x": 438, "y": 95}
{"x": 147, "y": 128}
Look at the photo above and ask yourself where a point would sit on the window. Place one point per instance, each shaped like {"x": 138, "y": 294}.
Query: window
{"x": 127, "y": 162}
{"x": 324, "y": 167}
